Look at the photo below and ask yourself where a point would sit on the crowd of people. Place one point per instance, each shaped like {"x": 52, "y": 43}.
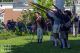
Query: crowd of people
{"x": 60, "y": 25}
{"x": 57, "y": 22}
{"x": 13, "y": 26}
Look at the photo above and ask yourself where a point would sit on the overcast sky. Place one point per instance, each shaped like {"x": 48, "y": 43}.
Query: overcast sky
{"x": 35, "y": 1}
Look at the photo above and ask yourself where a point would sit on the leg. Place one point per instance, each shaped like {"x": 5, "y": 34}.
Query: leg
{"x": 62, "y": 34}
{"x": 55, "y": 39}
{"x": 40, "y": 35}
{"x": 66, "y": 41}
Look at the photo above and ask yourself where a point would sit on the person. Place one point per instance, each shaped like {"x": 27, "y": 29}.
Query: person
{"x": 48, "y": 25}
{"x": 40, "y": 26}
{"x": 21, "y": 27}
{"x": 79, "y": 24}
{"x": 8, "y": 25}
{"x": 33, "y": 28}
{"x": 55, "y": 18}
{"x": 13, "y": 25}
{"x": 65, "y": 26}
{"x": 75, "y": 26}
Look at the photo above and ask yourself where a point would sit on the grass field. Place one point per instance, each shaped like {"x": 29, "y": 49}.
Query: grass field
{"x": 28, "y": 44}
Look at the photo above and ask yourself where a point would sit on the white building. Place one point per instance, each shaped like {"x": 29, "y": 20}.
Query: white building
{"x": 12, "y": 10}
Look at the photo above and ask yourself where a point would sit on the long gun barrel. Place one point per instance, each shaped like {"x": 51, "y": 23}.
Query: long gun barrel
{"x": 41, "y": 7}
{"x": 56, "y": 7}
{"x": 59, "y": 10}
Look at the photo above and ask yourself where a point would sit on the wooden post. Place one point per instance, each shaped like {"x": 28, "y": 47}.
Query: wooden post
{"x": 74, "y": 15}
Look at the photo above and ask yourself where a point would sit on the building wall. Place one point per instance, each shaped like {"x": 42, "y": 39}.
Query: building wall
{"x": 16, "y": 15}
{"x": 12, "y": 11}
{"x": 9, "y": 14}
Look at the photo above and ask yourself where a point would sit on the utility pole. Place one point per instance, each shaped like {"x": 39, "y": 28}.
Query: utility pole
{"x": 74, "y": 15}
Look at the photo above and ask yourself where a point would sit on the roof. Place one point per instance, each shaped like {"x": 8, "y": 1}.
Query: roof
{"x": 6, "y": 2}
{"x": 20, "y": 1}
{"x": 17, "y": 4}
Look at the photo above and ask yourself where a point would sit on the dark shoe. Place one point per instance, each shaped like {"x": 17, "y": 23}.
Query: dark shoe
{"x": 38, "y": 41}
{"x": 69, "y": 47}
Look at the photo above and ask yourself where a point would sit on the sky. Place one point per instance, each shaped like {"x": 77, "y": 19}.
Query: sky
{"x": 35, "y": 1}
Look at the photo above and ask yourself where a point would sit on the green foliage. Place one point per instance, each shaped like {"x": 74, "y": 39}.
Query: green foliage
{"x": 7, "y": 35}
{"x": 45, "y": 3}
{"x": 68, "y": 2}
{"x": 27, "y": 17}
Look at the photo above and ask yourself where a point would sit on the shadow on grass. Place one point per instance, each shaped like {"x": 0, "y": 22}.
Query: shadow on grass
{"x": 46, "y": 47}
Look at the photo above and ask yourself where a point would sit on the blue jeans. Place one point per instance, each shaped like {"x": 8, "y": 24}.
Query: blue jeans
{"x": 39, "y": 33}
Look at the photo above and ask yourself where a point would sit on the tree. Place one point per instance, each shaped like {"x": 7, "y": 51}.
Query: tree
{"x": 45, "y": 3}
{"x": 68, "y": 2}
{"x": 28, "y": 16}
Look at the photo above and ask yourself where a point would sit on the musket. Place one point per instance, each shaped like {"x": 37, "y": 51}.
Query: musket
{"x": 56, "y": 7}
{"x": 45, "y": 8}
{"x": 59, "y": 10}
{"x": 41, "y": 7}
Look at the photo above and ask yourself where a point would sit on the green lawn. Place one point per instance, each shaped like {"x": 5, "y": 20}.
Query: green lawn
{"x": 27, "y": 44}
